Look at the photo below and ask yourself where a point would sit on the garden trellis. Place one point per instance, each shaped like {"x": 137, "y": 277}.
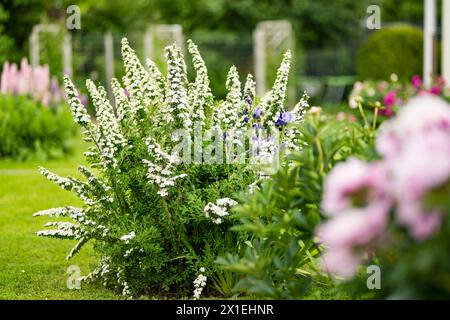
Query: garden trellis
{"x": 270, "y": 37}
{"x": 35, "y": 47}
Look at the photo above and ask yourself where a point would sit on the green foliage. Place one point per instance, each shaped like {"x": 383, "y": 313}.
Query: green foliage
{"x": 30, "y": 129}
{"x": 17, "y": 18}
{"x": 397, "y": 49}
{"x": 279, "y": 261}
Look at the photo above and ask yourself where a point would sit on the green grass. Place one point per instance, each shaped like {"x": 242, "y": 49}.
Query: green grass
{"x": 33, "y": 267}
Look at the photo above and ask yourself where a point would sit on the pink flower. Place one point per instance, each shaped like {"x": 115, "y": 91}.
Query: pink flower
{"x": 351, "y": 118}
{"x": 358, "y": 86}
{"x": 352, "y": 228}
{"x": 421, "y": 114}
{"x": 436, "y": 90}
{"x": 416, "y": 81}
{"x": 390, "y": 98}
{"x": 348, "y": 237}
{"x": 341, "y": 116}
{"x": 441, "y": 82}
{"x": 424, "y": 164}
{"x": 356, "y": 184}
{"x": 387, "y": 112}
{"x": 340, "y": 262}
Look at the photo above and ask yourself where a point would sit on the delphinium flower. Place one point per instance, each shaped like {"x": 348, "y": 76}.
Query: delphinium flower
{"x": 199, "y": 283}
{"x": 283, "y": 119}
{"x": 218, "y": 211}
{"x": 177, "y": 109}
{"x": 200, "y": 96}
{"x": 292, "y": 136}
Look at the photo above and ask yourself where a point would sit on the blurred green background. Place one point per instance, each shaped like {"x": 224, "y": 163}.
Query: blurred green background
{"x": 327, "y": 35}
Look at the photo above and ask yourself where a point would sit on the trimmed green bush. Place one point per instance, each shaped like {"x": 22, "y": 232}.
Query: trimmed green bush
{"x": 30, "y": 129}
{"x": 396, "y": 49}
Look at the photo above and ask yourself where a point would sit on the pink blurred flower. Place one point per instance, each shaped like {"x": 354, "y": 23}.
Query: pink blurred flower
{"x": 353, "y": 228}
{"x": 416, "y": 81}
{"x": 356, "y": 184}
{"x": 340, "y": 262}
{"x": 441, "y": 82}
{"x": 341, "y": 116}
{"x": 390, "y": 98}
{"x": 423, "y": 113}
{"x": 436, "y": 90}
{"x": 387, "y": 112}
{"x": 424, "y": 164}
{"x": 27, "y": 80}
{"x": 348, "y": 237}
{"x": 351, "y": 118}
{"x": 358, "y": 86}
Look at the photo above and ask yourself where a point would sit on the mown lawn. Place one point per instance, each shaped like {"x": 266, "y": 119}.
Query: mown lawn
{"x": 33, "y": 267}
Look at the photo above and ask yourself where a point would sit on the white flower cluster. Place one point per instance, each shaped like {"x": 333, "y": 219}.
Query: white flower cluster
{"x": 82, "y": 230}
{"x": 218, "y": 211}
{"x": 199, "y": 284}
{"x": 143, "y": 88}
{"x": 267, "y": 150}
{"x": 122, "y": 282}
{"x": 160, "y": 170}
{"x": 226, "y": 116}
{"x": 200, "y": 96}
{"x": 126, "y": 238}
{"x": 79, "y": 111}
{"x": 250, "y": 87}
{"x": 64, "y": 183}
{"x": 274, "y": 104}
{"x": 110, "y": 137}
{"x": 177, "y": 106}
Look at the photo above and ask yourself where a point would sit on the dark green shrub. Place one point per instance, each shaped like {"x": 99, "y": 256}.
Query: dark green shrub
{"x": 30, "y": 129}
{"x": 396, "y": 49}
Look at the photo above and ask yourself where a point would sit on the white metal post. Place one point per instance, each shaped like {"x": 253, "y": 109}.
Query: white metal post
{"x": 109, "y": 61}
{"x": 446, "y": 39}
{"x": 259, "y": 52}
{"x": 429, "y": 41}
{"x": 67, "y": 54}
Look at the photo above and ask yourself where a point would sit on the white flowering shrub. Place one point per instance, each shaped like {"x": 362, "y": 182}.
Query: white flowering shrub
{"x": 155, "y": 203}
